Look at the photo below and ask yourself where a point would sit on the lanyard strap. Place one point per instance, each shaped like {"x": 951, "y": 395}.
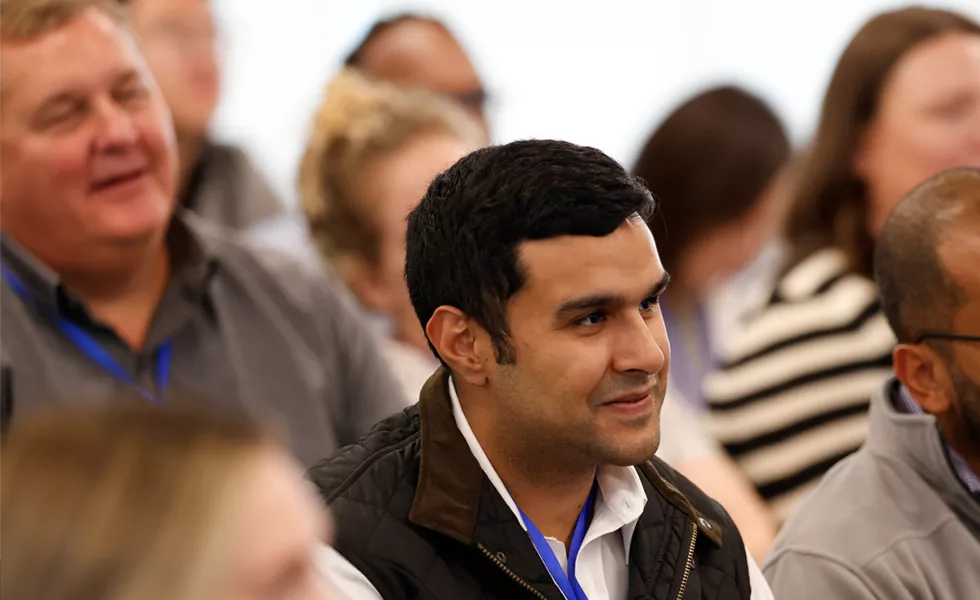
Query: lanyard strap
{"x": 568, "y": 584}
{"x": 87, "y": 345}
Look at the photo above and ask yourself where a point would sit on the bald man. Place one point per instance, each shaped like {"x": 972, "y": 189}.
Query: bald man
{"x": 416, "y": 51}
{"x": 901, "y": 517}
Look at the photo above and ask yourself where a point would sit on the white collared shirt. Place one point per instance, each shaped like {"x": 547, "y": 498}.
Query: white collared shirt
{"x": 602, "y": 568}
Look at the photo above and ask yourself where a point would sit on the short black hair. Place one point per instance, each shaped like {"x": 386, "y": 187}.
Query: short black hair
{"x": 382, "y": 25}
{"x": 917, "y": 293}
{"x": 463, "y": 237}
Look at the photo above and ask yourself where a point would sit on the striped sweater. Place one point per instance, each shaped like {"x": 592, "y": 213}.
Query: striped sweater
{"x": 791, "y": 398}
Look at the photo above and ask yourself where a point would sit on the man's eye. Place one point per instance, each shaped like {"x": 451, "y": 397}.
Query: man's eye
{"x": 591, "y": 319}
{"x": 650, "y": 303}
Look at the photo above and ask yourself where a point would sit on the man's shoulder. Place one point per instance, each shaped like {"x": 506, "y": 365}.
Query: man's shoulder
{"x": 866, "y": 507}
{"x": 373, "y": 470}
{"x": 259, "y": 269}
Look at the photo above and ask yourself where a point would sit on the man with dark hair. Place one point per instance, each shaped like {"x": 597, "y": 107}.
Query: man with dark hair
{"x": 418, "y": 51}
{"x": 525, "y": 469}
{"x": 901, "y": 518}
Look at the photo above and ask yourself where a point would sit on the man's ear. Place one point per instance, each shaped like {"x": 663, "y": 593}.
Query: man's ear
{"x": 462, "y": 343}
{"x": 923, "y": 373}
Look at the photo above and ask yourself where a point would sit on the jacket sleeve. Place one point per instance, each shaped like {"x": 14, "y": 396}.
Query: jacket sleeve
{"x": 806, "y": 576}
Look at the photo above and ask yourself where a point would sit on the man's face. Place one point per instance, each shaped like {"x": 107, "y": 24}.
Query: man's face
{"x": 87, "y": 144}
{"x": 591, "y": 348}
{"x": 180, "y": 45}
{"x": 960, "y": 255}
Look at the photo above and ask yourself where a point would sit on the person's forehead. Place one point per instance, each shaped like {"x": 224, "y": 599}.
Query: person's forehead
{"x": 935, "y": 66}
{"x": 143, "y": 11}
{"x": 570, "y": 265}
{"x": 90, "y": 50}
{"x": 419, "y": 53}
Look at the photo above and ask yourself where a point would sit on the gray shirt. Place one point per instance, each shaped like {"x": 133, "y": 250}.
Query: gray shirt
{"x": 248, "y": 331}
{"x": 227, "y": 188}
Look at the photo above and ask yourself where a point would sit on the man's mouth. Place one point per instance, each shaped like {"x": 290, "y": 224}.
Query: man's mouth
{"x": 118, "y": 179}
{"x": 631, "y": 399}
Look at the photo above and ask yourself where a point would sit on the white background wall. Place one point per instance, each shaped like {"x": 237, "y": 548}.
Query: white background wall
{"x": 594, "y": 72}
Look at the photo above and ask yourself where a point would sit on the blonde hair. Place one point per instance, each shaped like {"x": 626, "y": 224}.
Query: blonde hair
{"x": 26, "y": 19}
{"x": 361, "y": 119}
{"x": 113, "y": 505}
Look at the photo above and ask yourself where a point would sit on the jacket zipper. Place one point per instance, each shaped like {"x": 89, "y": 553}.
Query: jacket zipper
{"x": 690, "y": 562}
{"x": 510, "y": 573}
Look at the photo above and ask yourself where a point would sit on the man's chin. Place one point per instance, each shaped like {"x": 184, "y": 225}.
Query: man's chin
{"x": 136, "y": 227}
{"x": 635, "y": 453}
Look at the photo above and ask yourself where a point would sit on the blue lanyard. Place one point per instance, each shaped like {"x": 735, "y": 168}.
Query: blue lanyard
{"x": 94, "y": 351}
{"x": 568, "y": 584}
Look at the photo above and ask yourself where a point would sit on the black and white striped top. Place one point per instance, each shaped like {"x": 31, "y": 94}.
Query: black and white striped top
{"x": 791, "y": 398}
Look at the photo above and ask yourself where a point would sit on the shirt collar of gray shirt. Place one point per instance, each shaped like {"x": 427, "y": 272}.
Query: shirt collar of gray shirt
{"x": 192, "y": 258}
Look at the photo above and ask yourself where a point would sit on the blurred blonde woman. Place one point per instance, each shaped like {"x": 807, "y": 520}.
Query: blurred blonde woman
{"x": 152, "y": 505}
{"x": 371, "y": 154}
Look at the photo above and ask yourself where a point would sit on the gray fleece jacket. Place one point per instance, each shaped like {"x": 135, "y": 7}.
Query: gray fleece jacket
{"x": 891, "y": 522}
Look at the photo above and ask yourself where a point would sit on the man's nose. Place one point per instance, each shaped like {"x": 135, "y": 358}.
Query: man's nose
{"x": 116, "y": 128}
{"x": 637, "y": 347}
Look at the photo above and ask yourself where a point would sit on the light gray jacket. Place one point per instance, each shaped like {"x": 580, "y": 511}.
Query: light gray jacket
{"x": 892, "y": 522}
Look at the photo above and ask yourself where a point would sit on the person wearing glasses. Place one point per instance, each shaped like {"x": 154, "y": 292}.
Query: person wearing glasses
{"x": 417, "y": 51}
{"x": 180, "y": 42}
{"x": 901, "y": 518}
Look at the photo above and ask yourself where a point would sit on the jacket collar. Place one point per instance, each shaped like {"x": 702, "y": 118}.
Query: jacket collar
{"x": 451, "y": 481}
{"x": 915, "y": 440}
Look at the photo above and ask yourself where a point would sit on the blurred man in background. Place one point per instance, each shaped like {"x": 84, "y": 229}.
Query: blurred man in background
{"x": 901, "y": 518}
{"x": 416, "y": 51}
{"x": 180, "y": 43}
{"x": 108, "y": 293}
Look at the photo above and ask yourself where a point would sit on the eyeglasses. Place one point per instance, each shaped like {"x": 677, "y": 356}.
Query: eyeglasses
{"x": 943, "y": 335}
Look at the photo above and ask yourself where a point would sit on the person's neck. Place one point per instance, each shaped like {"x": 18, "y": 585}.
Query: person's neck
{"x": 961, "y": 442}
{"x": 190, "y": 146}
{"x": 127, "y": 297}
{"x": 550, "y": 488}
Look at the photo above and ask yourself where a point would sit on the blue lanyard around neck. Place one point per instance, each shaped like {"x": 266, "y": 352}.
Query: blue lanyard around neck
{"x": 94, "y": 351}
{"x": 568, "y": 584}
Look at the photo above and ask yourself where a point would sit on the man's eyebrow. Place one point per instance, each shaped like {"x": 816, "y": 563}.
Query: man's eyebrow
{"x": 594, "y": 301}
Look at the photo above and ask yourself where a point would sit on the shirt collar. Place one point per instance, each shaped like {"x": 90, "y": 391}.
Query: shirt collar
{"x": 621, "y": 495}
{"x": 40, "y": 281}
{"x": 961, "y": 468}
{"x": 192, "y": 256}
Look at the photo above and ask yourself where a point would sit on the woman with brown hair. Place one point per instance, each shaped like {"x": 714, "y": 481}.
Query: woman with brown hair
{"x": 155, "y": 505}
{"x": 792, "y": 397}
{"x": 714, "y": 165}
